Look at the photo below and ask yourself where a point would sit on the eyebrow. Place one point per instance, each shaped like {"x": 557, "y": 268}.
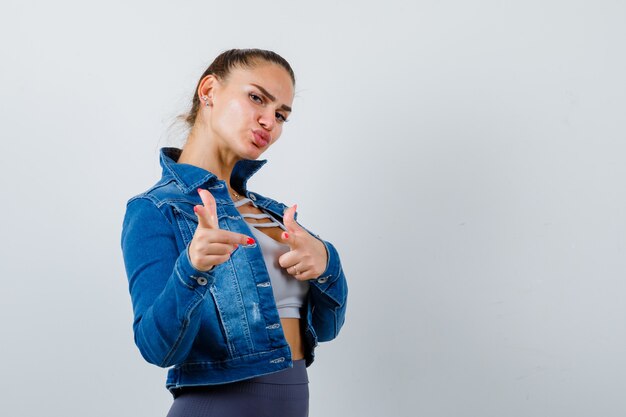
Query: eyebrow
{"x": 271, "y": 97}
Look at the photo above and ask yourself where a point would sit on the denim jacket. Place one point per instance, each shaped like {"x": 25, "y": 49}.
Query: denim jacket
{"x": 222, "y": 325}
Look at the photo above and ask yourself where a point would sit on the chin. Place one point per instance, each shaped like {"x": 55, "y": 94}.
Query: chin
{"x": 253, "y": 152}
{"x": 258, "y": 154}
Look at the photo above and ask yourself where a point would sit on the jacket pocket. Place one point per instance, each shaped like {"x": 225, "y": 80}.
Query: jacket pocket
{"x": 188, "y": 221}
{"x": 212, "y": 342}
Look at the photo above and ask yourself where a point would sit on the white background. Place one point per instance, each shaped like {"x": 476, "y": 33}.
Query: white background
{"x": 465, "y": 157}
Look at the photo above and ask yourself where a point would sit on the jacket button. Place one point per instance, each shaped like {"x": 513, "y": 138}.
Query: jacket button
{"x": 252, "y": 197}
{"x": 322, "y": 280}
{"x": 201, "y": 281}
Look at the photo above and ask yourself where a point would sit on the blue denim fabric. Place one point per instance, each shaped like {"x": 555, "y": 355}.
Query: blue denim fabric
{"x": 222, "y": 325}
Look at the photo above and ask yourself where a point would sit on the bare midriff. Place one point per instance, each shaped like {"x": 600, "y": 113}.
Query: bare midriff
{"x": 291, "y": 326}
{"x": 293, "y": 334}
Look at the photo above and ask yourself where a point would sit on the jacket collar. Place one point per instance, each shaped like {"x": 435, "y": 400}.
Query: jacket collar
{"x": 190, "y": 177}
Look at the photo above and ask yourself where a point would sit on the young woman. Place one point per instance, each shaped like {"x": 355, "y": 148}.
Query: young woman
{"x": 227, "y": 287}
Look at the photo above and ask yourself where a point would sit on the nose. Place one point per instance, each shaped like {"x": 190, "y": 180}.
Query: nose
{"x": 267, "y": 119}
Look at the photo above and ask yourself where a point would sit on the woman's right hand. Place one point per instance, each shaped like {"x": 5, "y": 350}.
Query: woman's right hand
{"x": 210, "y": 245}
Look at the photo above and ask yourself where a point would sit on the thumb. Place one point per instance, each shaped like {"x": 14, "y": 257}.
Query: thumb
{"x": 204, "y": 218}
{"x": 289, "y": 221}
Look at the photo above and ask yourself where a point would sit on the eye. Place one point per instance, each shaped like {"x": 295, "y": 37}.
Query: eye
{"x": 281, "y": 118}
{"x": 256, "y": 98}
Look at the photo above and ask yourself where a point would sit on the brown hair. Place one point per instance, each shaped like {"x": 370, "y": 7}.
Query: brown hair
{"x": 226, "y": 62}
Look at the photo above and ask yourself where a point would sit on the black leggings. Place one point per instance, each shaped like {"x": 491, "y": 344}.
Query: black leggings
{"x": 284, "y": 394}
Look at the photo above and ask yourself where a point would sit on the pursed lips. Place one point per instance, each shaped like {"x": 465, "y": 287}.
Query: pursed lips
{"x": 261, "y": 138}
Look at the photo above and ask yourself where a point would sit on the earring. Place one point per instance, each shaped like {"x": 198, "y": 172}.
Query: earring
{"x": 206, "y": 101}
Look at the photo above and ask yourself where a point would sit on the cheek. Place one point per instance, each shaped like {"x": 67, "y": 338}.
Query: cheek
{"x": 277, "y": 132}
{"x": 234, "y": 110}
{"x": 231, "y": 118}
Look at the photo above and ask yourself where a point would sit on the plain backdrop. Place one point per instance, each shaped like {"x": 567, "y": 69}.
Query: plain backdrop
{"x": 467, "y": 159}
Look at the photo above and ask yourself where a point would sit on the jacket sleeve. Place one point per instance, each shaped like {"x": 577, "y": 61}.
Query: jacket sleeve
{"x": 165, "y": 289}
{"x": 329, "y": 294}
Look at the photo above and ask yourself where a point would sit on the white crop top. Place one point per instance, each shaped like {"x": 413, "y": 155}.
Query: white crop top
{"x": 288, "y": 292}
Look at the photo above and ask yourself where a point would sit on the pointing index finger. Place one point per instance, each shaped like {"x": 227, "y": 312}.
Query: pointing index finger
{"x": 211, "y": 208}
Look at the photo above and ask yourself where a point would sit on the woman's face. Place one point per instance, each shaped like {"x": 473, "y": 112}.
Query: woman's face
{"x": 249, "y": 108}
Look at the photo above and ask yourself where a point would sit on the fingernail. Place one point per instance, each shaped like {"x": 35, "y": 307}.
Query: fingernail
{"x": 250, "y": 241}
{"x": 199, "y": 190}
{"x": 195, "y": 209}
{"x": 286, "y": 235}
{"x": 295, "y": 206}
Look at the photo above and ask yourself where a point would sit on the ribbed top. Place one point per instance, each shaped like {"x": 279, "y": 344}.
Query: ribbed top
{"x": 288, "y": 292}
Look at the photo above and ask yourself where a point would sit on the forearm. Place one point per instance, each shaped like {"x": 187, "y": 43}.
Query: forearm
{"x": 166, "y": 328}
{"x": 329, "y": 294}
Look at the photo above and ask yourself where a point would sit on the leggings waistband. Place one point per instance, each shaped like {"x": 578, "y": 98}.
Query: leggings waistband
{"x": 291, "y": 376}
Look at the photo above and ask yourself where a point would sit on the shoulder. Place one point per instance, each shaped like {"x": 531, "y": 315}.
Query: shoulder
{"x": 163, "y": 192}
{"x": 160, "y": 197}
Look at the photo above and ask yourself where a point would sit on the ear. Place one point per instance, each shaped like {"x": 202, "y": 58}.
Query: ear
{"x": 207, "y": 88}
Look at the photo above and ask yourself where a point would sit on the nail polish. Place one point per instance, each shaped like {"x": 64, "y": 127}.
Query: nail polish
{"x": 250, "y": 241}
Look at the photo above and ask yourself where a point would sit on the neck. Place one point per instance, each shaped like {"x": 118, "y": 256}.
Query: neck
{"x": 204, "y": 151}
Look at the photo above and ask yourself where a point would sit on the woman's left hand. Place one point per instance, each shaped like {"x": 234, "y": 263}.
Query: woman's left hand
{"x": 307, "y": 256}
